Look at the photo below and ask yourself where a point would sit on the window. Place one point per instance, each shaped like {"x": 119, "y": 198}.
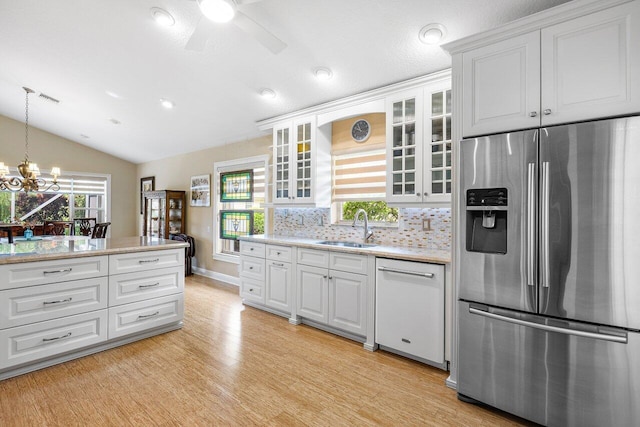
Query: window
{"x": 81, "y": 195}
{"x": 359, "y": 183}
{"x": 237, "y": 218}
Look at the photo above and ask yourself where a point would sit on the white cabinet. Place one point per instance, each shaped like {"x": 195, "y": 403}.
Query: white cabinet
{"x": 266, "y": 276}
{"x": 580, "y": 69}
{"x": 301, "y": 164}
{"x": 419, "y": 146}
{"x": 410, "y": 301}
{"x": 278, "y": 286}
{"x": 332, "y": 289}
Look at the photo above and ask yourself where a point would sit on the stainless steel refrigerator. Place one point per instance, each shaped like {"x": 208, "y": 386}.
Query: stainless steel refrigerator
{"x": 549, "y": 276}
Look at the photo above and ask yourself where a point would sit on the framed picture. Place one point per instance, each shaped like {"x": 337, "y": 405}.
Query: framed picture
{"x": 146, "y": 184}
{"x": 200, "y": 190}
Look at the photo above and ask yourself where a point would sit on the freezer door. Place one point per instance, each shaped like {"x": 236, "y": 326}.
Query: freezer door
{"x": 508, "y": 279}
{"x": 590, "y": 222}
{"x": 552, "y": 377}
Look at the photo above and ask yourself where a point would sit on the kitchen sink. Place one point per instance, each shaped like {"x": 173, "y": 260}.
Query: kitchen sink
{"x": 346, "y": 244}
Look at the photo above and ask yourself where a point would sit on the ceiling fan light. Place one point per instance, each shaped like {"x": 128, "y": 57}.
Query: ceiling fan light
{"x": 218, "y": 10}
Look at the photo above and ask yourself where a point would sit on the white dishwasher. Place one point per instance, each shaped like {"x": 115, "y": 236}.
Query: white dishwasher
{"x": 410, "y": 299}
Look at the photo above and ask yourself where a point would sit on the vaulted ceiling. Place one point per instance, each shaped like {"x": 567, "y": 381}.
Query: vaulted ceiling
{"x": 109, "y": 63}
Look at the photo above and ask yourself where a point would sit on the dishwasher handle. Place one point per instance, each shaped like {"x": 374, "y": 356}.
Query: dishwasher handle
{"x": 411, "y": 273}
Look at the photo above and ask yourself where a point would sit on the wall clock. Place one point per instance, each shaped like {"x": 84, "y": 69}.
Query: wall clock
{"x": 360, "y": 130}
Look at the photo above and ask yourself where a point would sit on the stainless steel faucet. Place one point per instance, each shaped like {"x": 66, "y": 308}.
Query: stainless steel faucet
{"x": 367, "y": 231}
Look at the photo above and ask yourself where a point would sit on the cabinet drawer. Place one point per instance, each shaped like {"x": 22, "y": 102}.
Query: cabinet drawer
{"x": 353, "y": 263}
{"x": 252, "y": 289}
{"x": 140, "y": 316}
{"x": 45, "y": 339}
{"x": 252, "y": 267}
{"x": 279, "y": 253}
{"x": 142, "y": 285}
{"x": 143, "y": 261}
{"x": 313, "y": 257}
{"x": 252, "y": 249}
{"x": 38, "y": 303}
{"x": 43, "y": 272}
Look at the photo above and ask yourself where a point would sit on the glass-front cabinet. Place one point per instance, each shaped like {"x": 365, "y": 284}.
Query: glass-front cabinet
{"x": 419, "y": 146}
{"x": 301, "y": 163}
{"x": 164, "y": 213}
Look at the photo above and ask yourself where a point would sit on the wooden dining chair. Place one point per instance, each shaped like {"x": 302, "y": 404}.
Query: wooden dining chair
{"x": 100, "y": 230}
{"x": 58, "y": 228}
{"x": 84, "y": 226}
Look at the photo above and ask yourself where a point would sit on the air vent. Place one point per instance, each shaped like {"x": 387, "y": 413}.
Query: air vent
{"x": 49, "y": 98}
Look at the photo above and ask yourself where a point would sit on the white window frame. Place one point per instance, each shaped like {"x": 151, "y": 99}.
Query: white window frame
{"x": 229, "y": 166}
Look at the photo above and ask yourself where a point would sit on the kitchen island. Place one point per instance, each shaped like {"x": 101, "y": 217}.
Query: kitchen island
{"x": 66, "y": 297}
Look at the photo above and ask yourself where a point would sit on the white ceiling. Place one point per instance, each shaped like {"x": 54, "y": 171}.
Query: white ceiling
{"x": 76, "y": 50}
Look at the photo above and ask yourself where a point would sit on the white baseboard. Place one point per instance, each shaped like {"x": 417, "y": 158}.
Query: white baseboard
{"x": 231, "y": 280}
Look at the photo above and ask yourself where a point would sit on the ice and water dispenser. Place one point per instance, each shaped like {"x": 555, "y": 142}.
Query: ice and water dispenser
{"x": 487, "y": 220}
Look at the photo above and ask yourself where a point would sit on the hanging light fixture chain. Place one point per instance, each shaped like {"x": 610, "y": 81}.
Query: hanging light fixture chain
{"x": 26, "y": 123}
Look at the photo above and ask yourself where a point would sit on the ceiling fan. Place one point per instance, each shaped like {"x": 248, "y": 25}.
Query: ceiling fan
{"x": 219, "y": 11}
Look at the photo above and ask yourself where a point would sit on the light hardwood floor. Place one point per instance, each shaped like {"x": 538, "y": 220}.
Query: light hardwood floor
{"x": 237, "y": 366}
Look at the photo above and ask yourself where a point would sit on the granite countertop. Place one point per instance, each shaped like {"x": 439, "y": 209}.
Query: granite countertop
{"x": 396, "y": 252}
{"x": 59, "y": 247}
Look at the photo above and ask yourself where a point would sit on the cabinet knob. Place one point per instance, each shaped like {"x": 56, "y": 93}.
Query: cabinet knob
{"x": 277, "y": 253}
{"x": 426, "y": 194}
{"x": 547, "y": 112}
{"x": 250, "y": 268}
{"x": 330, "y": 277}
{"x": 251, "y": 290}
{"x": 250, "y": 249}
{"x": 324, "y": 277}
{"x": 418, "y": 194}
{"x": 533, "y": 114}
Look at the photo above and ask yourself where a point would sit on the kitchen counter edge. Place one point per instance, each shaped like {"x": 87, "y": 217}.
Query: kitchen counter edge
{"x": 77, "y": 247}
{"x": 434, "y": 256}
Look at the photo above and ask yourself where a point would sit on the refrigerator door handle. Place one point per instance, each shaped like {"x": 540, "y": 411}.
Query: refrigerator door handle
{"x": 531, "y": 224}
{"x": 544, "y": 250}
{"x": 548, "y": 328}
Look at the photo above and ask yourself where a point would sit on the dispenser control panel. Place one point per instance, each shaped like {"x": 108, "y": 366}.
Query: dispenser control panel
{"x": 487, "y": 197}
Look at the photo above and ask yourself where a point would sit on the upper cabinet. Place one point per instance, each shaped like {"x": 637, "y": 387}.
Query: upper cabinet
{"x": 578, "y": 69}
{"x": 301, "y": 164}
{"x": 419, "y": 146}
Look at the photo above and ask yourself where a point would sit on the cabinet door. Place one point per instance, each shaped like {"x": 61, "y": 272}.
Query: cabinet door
{"x": 590, "y": 66}
{"x": 404, "y": 148}
{"x": 347, "y": 301}
{"x": 501, "y": 86}
{"x": 303, "y": 162}
{"x": 437, "y": 153}
{"x": 312, "y": 293}
{"x": 281, "y": 165}
{"x": 278, "y": 289}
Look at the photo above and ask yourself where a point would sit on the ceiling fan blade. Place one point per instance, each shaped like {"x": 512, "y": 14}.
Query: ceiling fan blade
{"x": 200, "y": 36}
{"x": 267, "y": 39}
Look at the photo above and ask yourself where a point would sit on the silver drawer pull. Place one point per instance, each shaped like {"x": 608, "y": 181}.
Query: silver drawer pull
{"x": 411, "y": 273}
{"x": 277, "y": 264}
{"x": 146, "y": 316}
{"x": 56, "y": 338}
{"x": 60, "y": 301}
{"x": 149, "y": 286}
{"x": 66, "y": 270}
{"x": 406, "y": 340}
{"x": 147, "y": 261}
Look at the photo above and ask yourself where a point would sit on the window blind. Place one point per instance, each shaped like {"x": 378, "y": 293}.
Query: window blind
{"x": 359, "y": 176}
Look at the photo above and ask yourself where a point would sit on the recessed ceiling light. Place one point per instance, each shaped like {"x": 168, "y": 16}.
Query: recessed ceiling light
{"x": 432, "y": 33}
{"x": 112, "y": 94}
{"x": 166, "y": 103}
{"x": 162, "y": 17}
{"x": 267, "y": 93}
{"x": 218, "y": 10}
{"x": 323, "y": 73}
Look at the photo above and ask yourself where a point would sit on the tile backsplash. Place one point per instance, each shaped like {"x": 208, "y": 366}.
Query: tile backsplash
{"x": 316, "y": 224}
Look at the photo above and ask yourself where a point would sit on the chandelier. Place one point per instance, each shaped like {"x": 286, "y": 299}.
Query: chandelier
{"x": 29, "y": 171}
